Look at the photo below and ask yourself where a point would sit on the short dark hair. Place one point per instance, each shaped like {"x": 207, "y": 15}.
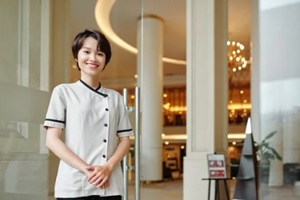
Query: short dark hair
{"x": 103, "y": 43}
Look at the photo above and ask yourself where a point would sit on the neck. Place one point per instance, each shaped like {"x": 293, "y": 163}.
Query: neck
{"x": 92, "y": 82}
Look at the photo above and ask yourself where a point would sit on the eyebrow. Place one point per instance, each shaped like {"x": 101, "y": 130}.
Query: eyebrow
{"x": 90, "y": 48}
{"x": 85, "y": 47}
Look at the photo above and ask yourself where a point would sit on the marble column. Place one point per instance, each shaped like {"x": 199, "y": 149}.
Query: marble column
{"x": 206, "y": 91}
{"x": 150, "y": 80}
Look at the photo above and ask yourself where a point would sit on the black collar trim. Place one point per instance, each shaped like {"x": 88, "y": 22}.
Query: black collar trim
{"x": 94, "y": 90}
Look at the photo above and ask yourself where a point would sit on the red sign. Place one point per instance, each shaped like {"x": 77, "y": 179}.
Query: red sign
{"x": 216, "y": 166}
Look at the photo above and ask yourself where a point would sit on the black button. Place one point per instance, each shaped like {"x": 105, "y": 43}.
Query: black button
{"x": 104, "y": 156}
{"x": 106, "y": 109}
{"x": 105, "y": 125}
{"x": 104, "y": 140}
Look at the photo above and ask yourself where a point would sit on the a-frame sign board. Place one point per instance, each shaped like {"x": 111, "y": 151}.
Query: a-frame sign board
{"x": 247, "y": 178}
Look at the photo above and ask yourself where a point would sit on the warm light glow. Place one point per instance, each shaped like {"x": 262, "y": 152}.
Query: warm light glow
{"x": 238, "y": 77}
{"x": 170, "y": 108}
{"x": 180, "y": 137}
{"x": 236, "y": 136}
{"x": 166, "y": 106}
{"x": 171, "y": 137}
{"x": 239, "y": 106}
{"x": 175, "y": 137}
{"x": 235, "y": 55}
{"x": 102, "y": 15}
{"x": 177, "y": 108}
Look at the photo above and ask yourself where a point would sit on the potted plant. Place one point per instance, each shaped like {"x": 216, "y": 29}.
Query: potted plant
{"x": 265, "y": 154}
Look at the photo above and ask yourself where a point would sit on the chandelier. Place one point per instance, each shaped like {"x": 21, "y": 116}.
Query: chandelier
{"x": 237, "y": 63}
{"x": 238, "y": 82}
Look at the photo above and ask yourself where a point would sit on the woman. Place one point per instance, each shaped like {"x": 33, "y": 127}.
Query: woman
{"x": 96, "y": 125}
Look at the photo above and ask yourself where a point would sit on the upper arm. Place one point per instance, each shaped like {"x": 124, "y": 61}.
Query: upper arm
{"x": 55, "y": 116}
{"x": 52, "y": 134}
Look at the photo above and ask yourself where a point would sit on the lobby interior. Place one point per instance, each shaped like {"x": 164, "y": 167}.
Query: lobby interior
{"x": 247, "y": 95}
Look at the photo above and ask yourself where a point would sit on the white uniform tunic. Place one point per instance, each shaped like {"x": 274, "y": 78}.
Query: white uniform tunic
{"x": 92, "y": 119}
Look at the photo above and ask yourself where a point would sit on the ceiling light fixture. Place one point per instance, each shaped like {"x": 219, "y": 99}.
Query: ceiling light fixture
{"x": 102, "y": 13}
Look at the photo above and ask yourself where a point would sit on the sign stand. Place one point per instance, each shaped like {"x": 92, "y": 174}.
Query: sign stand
{"x": 217, "y": 171}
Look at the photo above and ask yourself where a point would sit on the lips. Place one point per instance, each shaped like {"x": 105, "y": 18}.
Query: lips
{"x": 92, "y": 65}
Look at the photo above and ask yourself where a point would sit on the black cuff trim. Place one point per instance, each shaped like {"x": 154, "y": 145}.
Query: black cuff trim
{"x": 54, "y": 120}
{"x": 127, "y": 130}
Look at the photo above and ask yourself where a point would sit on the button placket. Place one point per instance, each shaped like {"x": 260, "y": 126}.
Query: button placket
{"x": 105, "y": 140}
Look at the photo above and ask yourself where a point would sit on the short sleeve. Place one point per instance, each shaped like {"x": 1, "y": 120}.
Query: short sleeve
{"x": 56, "y": 113}
{"x": 124, "y": 126}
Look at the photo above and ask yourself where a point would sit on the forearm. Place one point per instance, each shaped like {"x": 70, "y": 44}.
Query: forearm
{"x": 119, "y": 153}
{"x": 58, "y": 147}
{"x": 101, "y": 174}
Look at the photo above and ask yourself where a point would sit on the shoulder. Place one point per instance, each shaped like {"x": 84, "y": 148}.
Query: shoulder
{"x": 111, "y": 92}
{"x": 63, "y": 87}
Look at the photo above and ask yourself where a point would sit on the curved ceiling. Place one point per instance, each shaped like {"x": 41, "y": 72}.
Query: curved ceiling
{"x": 123, "y": 21}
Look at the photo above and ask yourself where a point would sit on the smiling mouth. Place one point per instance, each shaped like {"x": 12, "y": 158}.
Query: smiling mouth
{"x": 93, "y": 65}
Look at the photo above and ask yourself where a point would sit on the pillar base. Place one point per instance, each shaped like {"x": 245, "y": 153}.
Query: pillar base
{"x": 195, "y": 168}
{"x": 297, "y": 188}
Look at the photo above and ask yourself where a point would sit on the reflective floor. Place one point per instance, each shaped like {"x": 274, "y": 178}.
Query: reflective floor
{"x": 166, "y": 190}
{"x": 173, "y": 190}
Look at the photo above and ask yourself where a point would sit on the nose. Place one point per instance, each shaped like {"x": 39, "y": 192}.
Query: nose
{"x": 93, "y": 56}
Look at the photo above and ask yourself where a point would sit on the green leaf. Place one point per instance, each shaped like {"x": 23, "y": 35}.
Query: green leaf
{"x": 265, "y": 152}
{"x": 269, "y": 136}
{"x": 278, "y": 157}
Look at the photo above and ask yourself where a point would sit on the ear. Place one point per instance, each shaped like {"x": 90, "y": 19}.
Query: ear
{"x": 76, "y": 60}
{"x": 78, "y": 66}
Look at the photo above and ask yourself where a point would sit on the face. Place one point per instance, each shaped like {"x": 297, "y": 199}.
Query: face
{"x": 90, "y": 59}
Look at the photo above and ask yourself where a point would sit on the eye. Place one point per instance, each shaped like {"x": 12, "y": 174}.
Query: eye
{"x": 100, "y": 54}
{"x": 86, "y": 51}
